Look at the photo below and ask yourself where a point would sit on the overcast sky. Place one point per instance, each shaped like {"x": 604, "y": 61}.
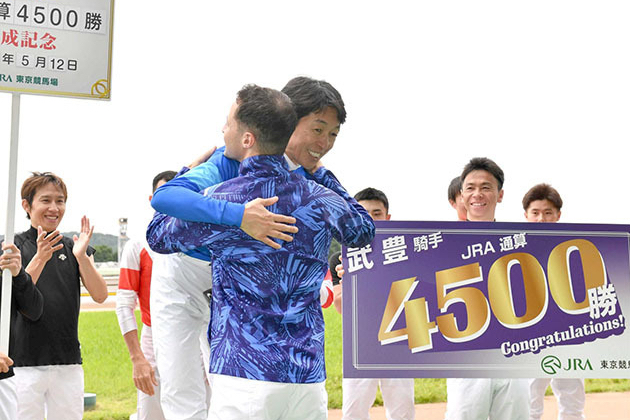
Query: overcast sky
{"x": 541, "y": 87}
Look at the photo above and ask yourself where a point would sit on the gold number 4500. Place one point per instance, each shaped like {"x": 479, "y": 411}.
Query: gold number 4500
{"x": 454, "y": 285}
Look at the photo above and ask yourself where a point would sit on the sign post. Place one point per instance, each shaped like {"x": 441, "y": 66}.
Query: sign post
{"x": 49, "y": 47}
{"x": 7, "y": 278}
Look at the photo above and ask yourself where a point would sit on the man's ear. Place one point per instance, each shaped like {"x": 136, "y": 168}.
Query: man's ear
{"x": 248, "y": 140}
{"x": 26, "y": 206}
{"x": 389, "y": 216}
{"x": 500, "y": 196}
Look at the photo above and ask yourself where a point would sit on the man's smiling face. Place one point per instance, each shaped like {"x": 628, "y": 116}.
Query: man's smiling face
{"x": 48, "y": 208}
{"x": 480, "y": 192}
{"x": 313, "y": 137}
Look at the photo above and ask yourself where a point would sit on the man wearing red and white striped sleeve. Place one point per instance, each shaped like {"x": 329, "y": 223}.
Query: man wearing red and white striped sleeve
{"x": 135, "y": 285}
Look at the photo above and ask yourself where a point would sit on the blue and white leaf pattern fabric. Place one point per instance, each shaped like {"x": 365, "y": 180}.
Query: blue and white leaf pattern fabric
{"x": 267, "y": 322}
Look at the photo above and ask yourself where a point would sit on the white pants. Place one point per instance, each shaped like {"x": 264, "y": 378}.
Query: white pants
{"x": 248, "y": 399}
{"x": 482, "y": 399}
{"x": 359, "y": 395}
{"x": 180, "y": 315}
{"x": 53, "y": 392}
{"x": 568, "y": 392}
{"x": 149, "y": 407}
{"x": 8, "y": 399}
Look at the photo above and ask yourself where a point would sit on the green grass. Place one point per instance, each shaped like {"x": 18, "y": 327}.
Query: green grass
{"x": 605, "y": 385}
{"x": 108, "y": 368}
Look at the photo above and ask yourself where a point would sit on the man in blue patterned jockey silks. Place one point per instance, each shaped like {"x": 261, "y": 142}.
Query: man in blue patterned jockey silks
{"x": 267, "y": 329}
{"x": 180, "y": 313}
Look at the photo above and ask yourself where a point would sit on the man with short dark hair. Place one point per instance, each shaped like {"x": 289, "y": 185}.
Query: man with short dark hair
{"x": 482, "y": 189}
{"x": 320, "y": 111}
{"x": 267, "y": 329}
{"x": 542, "y": 203}
{"x": 359, "y": 393}
{"x": 48, "y": 370}
{"x": 179, "y": 280}
{"x": 375, "y": 202}
{"x": 455, "y": 198}
{"x": 134, "y": 286}
{"x": 485, "y": 398}
{"x": 161, "y": 179}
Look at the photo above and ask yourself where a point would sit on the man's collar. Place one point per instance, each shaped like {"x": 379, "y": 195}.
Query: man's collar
{"x": 292, "y": 166}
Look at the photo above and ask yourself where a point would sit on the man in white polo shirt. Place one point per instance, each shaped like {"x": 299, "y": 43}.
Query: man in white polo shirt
{"x": 485, "y": 398}
{"x": 542, "y": 203}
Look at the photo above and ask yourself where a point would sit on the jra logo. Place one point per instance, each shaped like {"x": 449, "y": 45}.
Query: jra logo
{"x": 552, "y": 365}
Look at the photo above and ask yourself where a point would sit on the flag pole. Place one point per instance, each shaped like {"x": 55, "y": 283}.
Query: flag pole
{"x": 7, "y": 277}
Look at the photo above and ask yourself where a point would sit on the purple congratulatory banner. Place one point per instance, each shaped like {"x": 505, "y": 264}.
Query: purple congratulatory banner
{"x": 477, "y": 299}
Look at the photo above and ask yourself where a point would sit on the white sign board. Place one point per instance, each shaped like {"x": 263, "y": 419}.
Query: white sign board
{"x": 56, "y": 47}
